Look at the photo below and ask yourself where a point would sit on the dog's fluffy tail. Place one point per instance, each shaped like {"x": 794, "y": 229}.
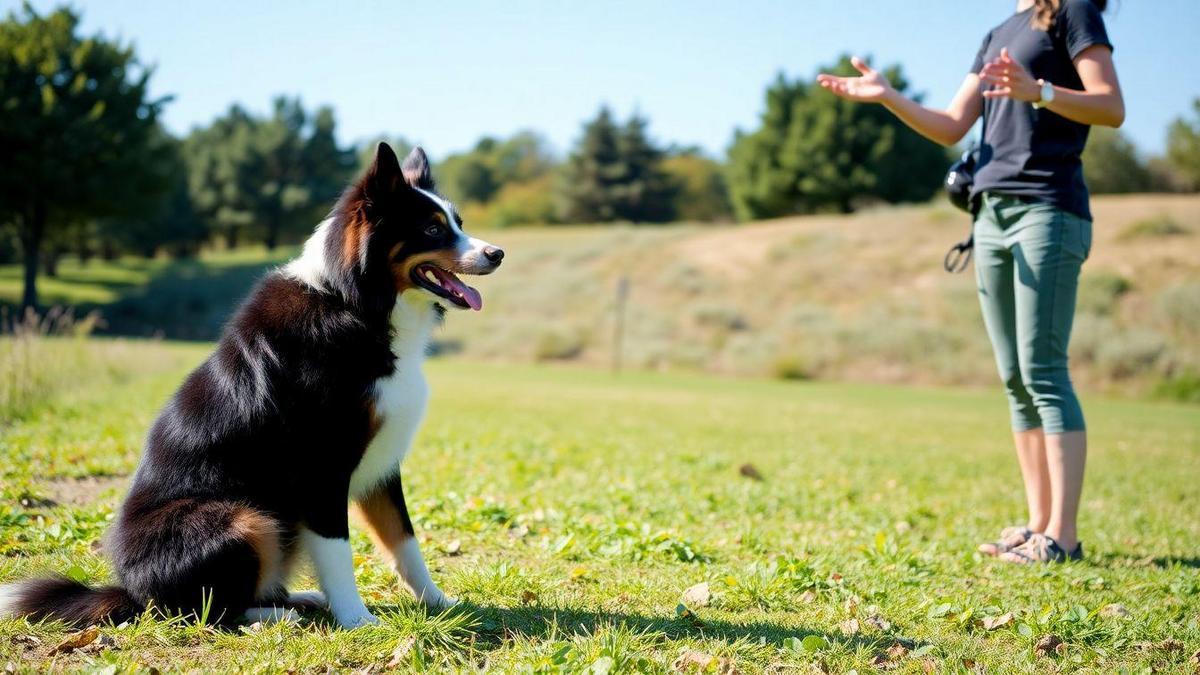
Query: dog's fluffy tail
{"x": 63, "y": 599}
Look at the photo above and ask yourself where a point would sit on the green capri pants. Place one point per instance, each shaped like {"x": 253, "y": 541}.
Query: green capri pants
{"x": 1027, "y": 260}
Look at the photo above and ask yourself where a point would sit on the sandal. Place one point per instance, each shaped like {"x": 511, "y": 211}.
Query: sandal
{"x": 1010, "y": 538}
{"x": 1042, "y": 549}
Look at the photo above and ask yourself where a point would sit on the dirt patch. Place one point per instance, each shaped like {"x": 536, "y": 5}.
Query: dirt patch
{"x": 86, "y": 490}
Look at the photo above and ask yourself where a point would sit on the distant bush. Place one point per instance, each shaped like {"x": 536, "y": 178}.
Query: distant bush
{"x": 1130, "y": 353}
{"x": 790, "y": 367}
{"x": 1157, "y": 226}
{"x": 529, "y": 203}
{"x": 1184, "y": 388}
{"x": 1099, "y": 292}
{"x": 1179, "y": 308}
{"x": 558, "y": 343}
{"x": 720, "y": 316}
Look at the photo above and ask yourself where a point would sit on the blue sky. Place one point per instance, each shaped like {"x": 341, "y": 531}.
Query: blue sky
{"x": 445, "y": 73}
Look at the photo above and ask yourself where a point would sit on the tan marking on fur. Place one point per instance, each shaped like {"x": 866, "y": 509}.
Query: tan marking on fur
{"x": 262, "y": 533}
{"x": 353, "y": 239}
{"x": 382, "y": 520}
{"x": 446, "y": 259}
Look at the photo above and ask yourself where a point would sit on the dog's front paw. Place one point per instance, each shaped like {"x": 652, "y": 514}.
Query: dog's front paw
{"x": 437, "y": 600}
{"x": 356, "y": 619}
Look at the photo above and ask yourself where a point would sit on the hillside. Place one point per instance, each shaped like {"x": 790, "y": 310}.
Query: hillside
{"x": 859, "y": 297}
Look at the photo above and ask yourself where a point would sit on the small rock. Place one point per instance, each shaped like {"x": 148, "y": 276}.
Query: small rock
{"x": 454, "y": 547}
{"x": 698, "y": 595}
{"x": 808, "y": 596}
{"x": 698, "y": 661}
{"x": 1049, "y": 644}
{"x": 749, "y": 471}
{"x": 849, "y": 627}
{"x": 1116, "y": 610}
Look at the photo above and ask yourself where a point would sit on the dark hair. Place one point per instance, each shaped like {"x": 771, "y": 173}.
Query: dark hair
{"x": 1044, "y": 11}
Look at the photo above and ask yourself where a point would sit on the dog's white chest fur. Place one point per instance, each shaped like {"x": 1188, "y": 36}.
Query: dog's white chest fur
{"x": 399, "y": 398}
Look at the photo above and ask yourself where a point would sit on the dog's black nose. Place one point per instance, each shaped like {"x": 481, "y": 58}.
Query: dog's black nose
{"x": 493, "y": 254}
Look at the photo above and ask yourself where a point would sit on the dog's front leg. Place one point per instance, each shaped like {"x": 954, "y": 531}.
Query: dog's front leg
{"x": 386, "y": 515}
{"x": 326, "y": 539}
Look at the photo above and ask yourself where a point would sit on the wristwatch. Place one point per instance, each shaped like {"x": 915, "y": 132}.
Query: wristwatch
{"x": 1047, "y": 94}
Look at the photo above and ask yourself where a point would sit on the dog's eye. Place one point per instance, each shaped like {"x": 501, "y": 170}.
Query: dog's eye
{"x": 434, "y": 230}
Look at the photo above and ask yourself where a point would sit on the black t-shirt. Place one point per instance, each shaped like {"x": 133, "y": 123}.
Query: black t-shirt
{"x": 1032, "y": 152}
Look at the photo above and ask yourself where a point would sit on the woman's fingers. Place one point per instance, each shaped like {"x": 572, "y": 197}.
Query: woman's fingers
{"x": 860, "y": 65}
{"x": 1004, "y": 55}
{"x": 998, "y": 92}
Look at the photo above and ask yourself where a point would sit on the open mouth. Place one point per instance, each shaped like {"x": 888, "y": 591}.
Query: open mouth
{"x": 445, "y": 284}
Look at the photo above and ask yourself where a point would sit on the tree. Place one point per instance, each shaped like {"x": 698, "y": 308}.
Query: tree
{"x": 1183, "y": 148}
{"x": 478, "y": 175}
{"x": 274, "y": 175}
{"x": 816, "y": 152}
{"x": 703, "y": 195}
{"x": 76, "y": 130}
{"x": 172, "y": 223}
{"x": 1111, "y": 163}
{"x": 616, "y": 173}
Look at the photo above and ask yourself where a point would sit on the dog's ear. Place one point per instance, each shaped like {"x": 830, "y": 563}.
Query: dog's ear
{"x": 384, "y": 174}
{"x": 416, "y": 170}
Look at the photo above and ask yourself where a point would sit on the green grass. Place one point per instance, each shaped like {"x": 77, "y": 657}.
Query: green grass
{"x": 569, "y": 509}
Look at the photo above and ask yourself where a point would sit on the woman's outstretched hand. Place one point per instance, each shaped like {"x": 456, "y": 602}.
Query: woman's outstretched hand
{"x": 1009, "y": 79}
{"x": 870, "y": 87}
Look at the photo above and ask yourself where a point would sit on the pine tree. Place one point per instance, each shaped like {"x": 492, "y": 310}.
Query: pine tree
{"x": 615, "y": 174}
{"x": 816, "y": 152}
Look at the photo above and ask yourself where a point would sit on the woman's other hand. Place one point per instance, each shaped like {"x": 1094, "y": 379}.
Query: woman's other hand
{"x": 870, "y": 87}
{"x": 1009, "y": 79}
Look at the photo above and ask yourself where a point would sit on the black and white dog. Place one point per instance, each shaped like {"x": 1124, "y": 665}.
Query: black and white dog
{"x": 308, "y": 404}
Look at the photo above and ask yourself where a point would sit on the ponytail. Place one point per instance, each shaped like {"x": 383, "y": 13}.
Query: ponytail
{"x": 1044, "y": 12}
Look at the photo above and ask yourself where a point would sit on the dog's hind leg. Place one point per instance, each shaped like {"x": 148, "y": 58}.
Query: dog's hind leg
{"x": 207, "y": 558}
{"x": 386, "y": 516}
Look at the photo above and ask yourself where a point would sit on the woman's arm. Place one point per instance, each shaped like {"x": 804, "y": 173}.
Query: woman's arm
{"x": 940, "y": 126}
{"x": 1100, "y": 102}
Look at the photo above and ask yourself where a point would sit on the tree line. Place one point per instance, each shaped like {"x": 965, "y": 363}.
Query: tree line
{"x": 91, "y": 171}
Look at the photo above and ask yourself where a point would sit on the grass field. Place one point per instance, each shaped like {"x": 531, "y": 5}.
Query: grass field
{"x": 569, "y": 509}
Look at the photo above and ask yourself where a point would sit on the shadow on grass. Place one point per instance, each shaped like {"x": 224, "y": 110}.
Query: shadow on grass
{"x": 497, "y": 625}
{"x": 1132, "y": 559}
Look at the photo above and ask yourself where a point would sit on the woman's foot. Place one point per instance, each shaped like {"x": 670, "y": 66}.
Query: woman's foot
{"x": 1041, "y": 548}
{"x": 1010, "y": 538}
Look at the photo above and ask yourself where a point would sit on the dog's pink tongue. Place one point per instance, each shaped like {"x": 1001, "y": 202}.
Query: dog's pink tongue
{"x": 472, "y": 296}
{"x": 469, "y": 294}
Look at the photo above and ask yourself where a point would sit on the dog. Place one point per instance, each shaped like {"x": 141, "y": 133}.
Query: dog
{"x": 308, "y": 405}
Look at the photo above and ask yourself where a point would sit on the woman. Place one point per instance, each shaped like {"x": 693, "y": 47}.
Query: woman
{"x": 1041, "y": 78}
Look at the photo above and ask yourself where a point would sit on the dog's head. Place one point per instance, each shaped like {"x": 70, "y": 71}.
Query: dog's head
{"x": 392, "y": 234}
